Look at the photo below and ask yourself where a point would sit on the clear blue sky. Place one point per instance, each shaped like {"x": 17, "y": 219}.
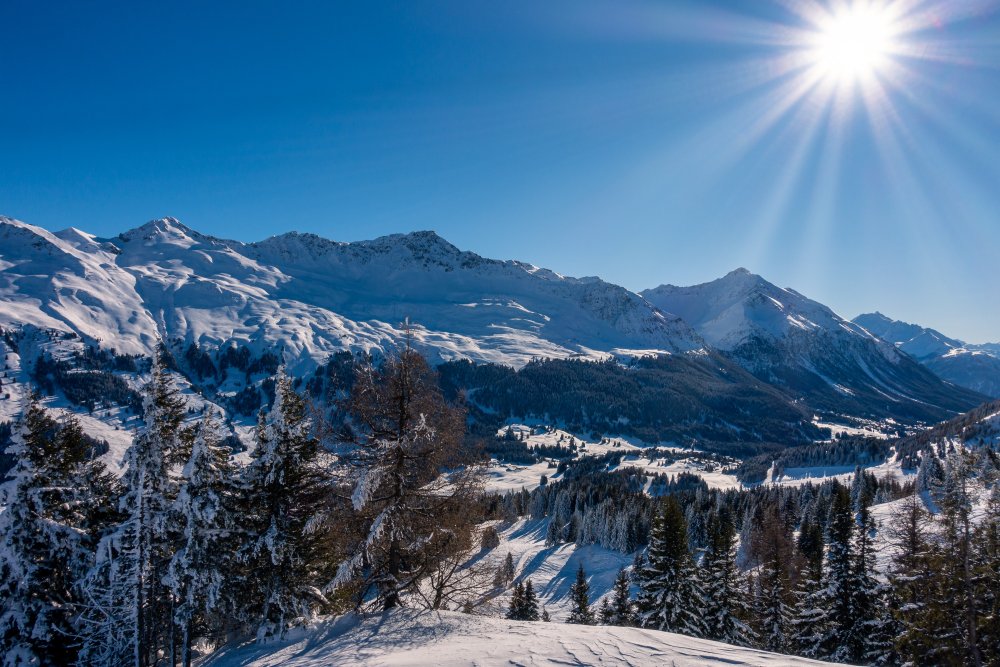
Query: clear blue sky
{"x": 645, "y": 142}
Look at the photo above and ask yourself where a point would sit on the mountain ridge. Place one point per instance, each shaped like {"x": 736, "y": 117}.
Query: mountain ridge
{"x": 975, "y": 367}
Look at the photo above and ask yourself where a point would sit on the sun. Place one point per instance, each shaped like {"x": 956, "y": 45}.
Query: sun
{"x": 855, "y": 43}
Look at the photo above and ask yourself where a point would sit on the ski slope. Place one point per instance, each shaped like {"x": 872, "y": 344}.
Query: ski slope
{"x": 450, "y": 639}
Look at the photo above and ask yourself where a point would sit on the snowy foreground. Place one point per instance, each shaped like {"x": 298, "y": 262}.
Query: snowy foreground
{"x": 451, "y": 639}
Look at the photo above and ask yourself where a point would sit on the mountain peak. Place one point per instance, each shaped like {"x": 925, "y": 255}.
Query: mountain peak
{"x": 162, "y": 230}
{"x": 423, "y": 241}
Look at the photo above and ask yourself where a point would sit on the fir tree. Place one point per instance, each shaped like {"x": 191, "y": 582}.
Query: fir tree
{"x": 46, "y": 538}
{"x": 725, "y": 608}
{"x": 872, "y": 631}
{"x": 912, "y": 580}
{"x": 205, "y": 507}
{"x": 139, "y": 552}
{"x": 515, "y": 609}
{"x": 505, "y": 573}
{"x": 772, "y": 588}
{"x": 579, "y": 594}
{"x": 622, "y": 609}
{"x": 286, "y": 486}
{"x": 669, "y": 597}
{"x": 987, "y": 569}
{"x": 530, "y": 609}
{"x": 523, "y": 603}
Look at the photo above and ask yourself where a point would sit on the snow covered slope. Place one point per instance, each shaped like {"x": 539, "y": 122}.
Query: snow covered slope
{"x": 449, "y": 639}
{"x": 789, "y": 340}
{"x": 310, "y": 296}
{"x": 975, "y": 367}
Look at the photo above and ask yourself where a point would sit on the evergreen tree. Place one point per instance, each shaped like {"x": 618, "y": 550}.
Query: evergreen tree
{"x": 523, "y": 603}
{"x": 47, "y": 532}
{"x": 505, "y": 573}
{"x": 286, "y": 486}
{"x": 530, "y": 610}
{"x": 622, "y": 609}
{"x": 604, "y": 614}
{"x": 205, "y": 506}
{"x": 515, "y": 609}
{"x": 138, "y": 554}
{"x": 987, "y": 569}
{"x": 726, "y": 605}
{"x": 772, "y": 587}
{"x": 873, "y": 630}
{"x": 669, "y": 596}
{"x": 579, "y": 594}
{"x": 912, "y": 578}
{"x": 836, "y": 635}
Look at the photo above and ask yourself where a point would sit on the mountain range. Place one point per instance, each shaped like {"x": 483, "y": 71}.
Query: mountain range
{"x": 975, "y": 367}
{"x": 307, "y": 298}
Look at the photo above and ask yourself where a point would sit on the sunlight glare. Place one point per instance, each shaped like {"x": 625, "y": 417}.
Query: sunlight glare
{"x": 854, "y": 44}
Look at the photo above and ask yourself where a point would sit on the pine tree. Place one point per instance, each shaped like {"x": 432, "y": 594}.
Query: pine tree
{"x": 46, "y": 538}
{"x": 912, "y": 580}
{"x": 530, "y": 609}
{"x": 505, "y": 573}
{"x": 987, "y": 569}
{"x": 523, "y": 603}
{"x": 725, "y": 608}
{"x": 579, "y": 594}
{"x": 205, "y": 505}
{"x": 286, "y": 486}
{"x": 837, "y": 640}
{"x": 622, "y": 609}
{"x": 872, "y": 630}
{"x": 515, "y": 609}
{"x": 772, "y": 587}
{"x": 958, "y": 632}
{"x": 604, "y": 614}
{"x": 138, "y": 554}
{"x": 669, "y": 597}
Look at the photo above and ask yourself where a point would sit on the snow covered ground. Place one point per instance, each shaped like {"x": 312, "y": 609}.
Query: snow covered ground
{"x": 449, "y": 639}
{"x": 552, "y": 569}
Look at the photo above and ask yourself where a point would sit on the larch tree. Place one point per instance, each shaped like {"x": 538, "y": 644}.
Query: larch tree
{"x": 414, "y": 496}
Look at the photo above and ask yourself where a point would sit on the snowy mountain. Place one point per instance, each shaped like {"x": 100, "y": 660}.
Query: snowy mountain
{"x": 310, "y": 296}
{"x": 304, "y": 298}
{"x": 450, "y": 639}
{"x": 791, "y": 341}
{"x": 975, "y": 367}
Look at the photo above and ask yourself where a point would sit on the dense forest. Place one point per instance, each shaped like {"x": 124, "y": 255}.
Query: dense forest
{"x": 374, "y": 501}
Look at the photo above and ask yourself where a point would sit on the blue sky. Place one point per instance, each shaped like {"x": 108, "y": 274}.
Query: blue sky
{"x": 645, "y": 142}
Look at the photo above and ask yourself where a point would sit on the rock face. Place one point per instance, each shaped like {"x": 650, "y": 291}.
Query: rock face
{"x": 791, "y": 341}
{"x": 975, "y": 367}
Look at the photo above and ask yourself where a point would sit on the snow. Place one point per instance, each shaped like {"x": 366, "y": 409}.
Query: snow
{"x": 501, "y": 477}
{"x": 715, "y": 478}
{"x": 844, "y": 474}
{"x": 450, "y": 639}
{"x": 311, "y": 297}
{"x": 728, "y": 311}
